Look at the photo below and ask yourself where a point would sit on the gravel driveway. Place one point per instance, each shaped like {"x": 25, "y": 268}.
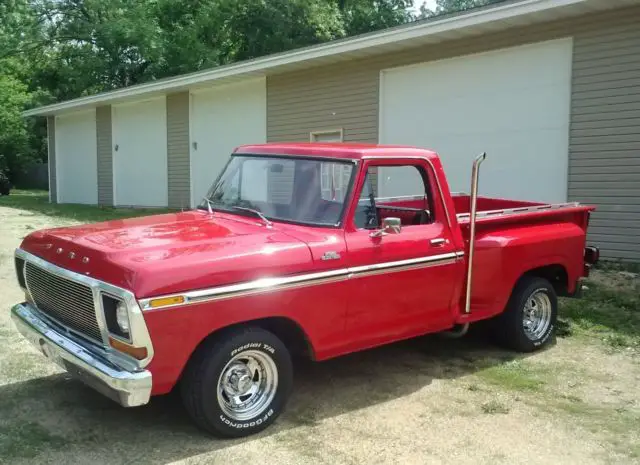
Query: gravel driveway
{"x": 426, "y": 401}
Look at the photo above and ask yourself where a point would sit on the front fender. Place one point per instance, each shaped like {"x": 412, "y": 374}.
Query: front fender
{"x": 318, "y": 310}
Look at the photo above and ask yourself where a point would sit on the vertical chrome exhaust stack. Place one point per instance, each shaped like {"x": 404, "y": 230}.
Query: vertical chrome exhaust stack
{"x": 475, "y": 173}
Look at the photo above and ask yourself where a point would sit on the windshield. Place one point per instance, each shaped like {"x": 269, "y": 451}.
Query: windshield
{"x": 299, "y": 190}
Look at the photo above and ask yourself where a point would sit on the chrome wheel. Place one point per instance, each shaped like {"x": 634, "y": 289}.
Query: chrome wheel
{"x": 247, "y": 385}
{"x": 536, "y": 317}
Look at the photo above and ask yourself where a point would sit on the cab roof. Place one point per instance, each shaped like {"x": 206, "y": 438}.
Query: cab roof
{"x": 349, "y": 151}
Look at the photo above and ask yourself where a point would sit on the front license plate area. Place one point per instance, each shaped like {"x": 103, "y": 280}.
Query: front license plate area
{"x": 50, "y": 353}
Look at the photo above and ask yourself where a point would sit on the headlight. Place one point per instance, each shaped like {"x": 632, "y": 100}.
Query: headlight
{"x": 122, "y": 317}
{"x": 116, "y": 315}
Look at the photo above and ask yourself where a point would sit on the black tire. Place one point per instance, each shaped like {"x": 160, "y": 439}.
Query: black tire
{"x": 510, "y": 326}
{"x": 199, "y": 386}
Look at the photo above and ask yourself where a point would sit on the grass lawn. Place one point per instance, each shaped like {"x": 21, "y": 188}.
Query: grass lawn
{"x": 37, "y": 201}
{"x": 609, "y": 310}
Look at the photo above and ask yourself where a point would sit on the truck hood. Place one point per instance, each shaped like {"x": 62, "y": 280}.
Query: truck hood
{"x": 169, "y": 253}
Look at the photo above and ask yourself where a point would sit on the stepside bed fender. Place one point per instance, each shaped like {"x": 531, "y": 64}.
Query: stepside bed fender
{"x": 554, "y": 268}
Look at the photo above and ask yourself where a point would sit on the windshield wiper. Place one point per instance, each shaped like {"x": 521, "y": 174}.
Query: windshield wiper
{"x": 209, "y": 202}
{"x": 257, "y": 213}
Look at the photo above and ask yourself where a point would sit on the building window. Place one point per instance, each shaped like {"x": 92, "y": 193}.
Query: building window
{"x": 332, "y": 135}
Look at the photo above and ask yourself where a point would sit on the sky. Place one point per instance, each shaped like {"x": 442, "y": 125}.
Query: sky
{"x": 430, "y": 4}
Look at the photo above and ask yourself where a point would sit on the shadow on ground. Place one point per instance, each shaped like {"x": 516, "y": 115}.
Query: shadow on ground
{"x": 56, "y": 413}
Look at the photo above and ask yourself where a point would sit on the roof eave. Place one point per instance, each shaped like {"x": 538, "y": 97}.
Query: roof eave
{"x": 338, "y": 49}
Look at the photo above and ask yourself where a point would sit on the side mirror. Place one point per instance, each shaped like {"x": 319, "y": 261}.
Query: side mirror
{"x": 389, "y": 226}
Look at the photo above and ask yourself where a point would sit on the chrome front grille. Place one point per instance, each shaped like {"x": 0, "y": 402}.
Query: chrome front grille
{"x": 67, "y": 302}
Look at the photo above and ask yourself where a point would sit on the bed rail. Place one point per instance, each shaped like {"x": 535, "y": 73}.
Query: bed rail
{"x": 518, "y": 210}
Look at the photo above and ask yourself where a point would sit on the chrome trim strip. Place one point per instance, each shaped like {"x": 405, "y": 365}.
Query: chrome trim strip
{"x": 382, "y": 200}
{"x": 309, "y": 279}
{"x": 518, "y": 210}
{"x": 417, "y": 266}
{"x": 400, "y": 198}
{"x": 401, "y": 263}
{"x": 128, "y": 388}
{"x": 139, "y": 332}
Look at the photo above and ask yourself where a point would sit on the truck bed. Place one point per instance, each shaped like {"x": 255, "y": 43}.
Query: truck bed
{"x": 498, "y": 210}
{"x": 513, "y": 236}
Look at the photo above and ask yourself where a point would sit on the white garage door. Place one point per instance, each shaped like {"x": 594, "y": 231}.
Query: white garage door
{"x": 140, "y": 153}
{"x": 511, "y": 103}
{"x": 221, "y": 120}
{"x": 76, "y": 158}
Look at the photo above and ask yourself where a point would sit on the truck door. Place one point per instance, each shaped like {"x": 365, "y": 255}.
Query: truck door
{"x": 402, "y": 283}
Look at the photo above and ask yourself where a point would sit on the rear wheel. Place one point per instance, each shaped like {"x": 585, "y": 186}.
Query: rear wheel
{"x": 529, "y": 321}
{"x": 238, "y": 384}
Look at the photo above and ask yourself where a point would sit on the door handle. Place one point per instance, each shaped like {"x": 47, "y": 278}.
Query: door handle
{"x": 439, "y": 242}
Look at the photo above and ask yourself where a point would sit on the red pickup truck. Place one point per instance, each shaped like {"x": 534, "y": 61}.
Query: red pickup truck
{"x": 312, "y": 249}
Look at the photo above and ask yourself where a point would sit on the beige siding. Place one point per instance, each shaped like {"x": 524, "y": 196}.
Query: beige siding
{"x": 605, "y": 110}
{"x": 605, "y": 133}
{"x": 51, "y": 143}
{"x": 105, "y": 155}
{"x": 324, "y": 99}
{"x": 178, "y": 159}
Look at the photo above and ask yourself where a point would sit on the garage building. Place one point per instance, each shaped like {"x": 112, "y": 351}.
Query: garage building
{"x": 550, "y": 89}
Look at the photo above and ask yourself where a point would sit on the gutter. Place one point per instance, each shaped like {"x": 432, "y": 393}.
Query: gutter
{"x": 260, "y": 66}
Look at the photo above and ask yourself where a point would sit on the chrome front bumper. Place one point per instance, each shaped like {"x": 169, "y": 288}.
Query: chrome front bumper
{"x": 129, "y": 389}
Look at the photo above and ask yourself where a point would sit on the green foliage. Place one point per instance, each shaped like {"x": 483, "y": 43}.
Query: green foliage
{"x": 21, "y": 141}
{"x": 38, "y": 202}
{"x": 14, "y": 138}
{"x": 452, "y": 6}
{"x": 54, "y": 50}
{"x": 609, "y": 313}
{"x": 493, "y": 407}
{"x": 516, "y": 375}
{"x": 362, "y": 16}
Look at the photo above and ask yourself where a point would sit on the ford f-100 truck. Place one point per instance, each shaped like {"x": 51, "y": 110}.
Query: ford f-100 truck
{"x": 297, "y": 249}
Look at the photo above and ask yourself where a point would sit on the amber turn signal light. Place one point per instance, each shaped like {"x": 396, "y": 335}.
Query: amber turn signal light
{"x": 139, "y": 353}
{"x": 166, "y": 301}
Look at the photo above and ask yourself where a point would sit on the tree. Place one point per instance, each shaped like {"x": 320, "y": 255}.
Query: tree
{"x": 21, "y": 45}
{"x": 14, "y": 139}
{"x": 53, "y": 50}
{"x": 202, "y": 34}
{"x": 362, "y": 16}
{"x": 452, "y": 6}
{"x": 99, "y": 45}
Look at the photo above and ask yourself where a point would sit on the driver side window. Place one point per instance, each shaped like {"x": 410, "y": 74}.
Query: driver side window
{"x": 366, "y": 216}
{"x": 394, "y": 191}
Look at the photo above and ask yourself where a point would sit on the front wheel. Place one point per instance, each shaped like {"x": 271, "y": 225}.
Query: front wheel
{"x": 530, "y": 318}
{"x": 239, "y": 383}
